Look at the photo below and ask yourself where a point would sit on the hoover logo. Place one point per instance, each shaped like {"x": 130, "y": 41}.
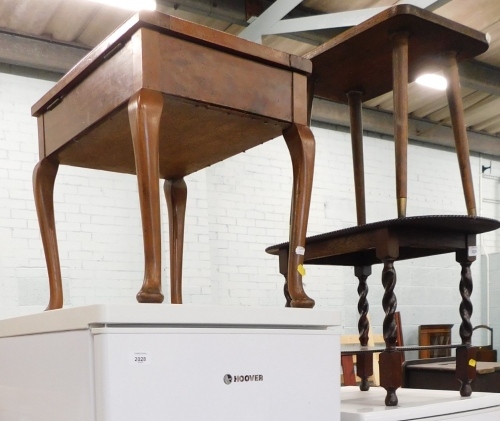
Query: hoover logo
{"x": 228, "y": 378}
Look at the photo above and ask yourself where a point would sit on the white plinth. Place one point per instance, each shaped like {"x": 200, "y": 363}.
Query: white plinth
{"x": 418, "y": 404}
{"x": 167, "y": 362}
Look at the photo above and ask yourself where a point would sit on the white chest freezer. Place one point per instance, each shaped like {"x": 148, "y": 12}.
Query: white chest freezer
{"x": 151, "y": 362}
{"x": 418, "y": 404}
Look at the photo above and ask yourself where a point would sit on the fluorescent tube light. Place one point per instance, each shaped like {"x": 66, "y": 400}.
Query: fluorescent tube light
{"x": 129, "y": 4}
{"x": 431, "y": 80}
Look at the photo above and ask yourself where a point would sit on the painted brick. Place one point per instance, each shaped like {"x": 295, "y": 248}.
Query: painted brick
{"x": 236, "y": 209}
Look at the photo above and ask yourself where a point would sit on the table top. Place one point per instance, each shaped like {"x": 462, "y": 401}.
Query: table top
{"x": 361, "y": 57}
{"x": 222, "y": 95}
{"x": 418, "y": 236}
{"x": 176, "y": 27}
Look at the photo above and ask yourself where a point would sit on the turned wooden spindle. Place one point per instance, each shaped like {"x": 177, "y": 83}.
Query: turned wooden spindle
{"x": 364, "y": 360}
{"x": 390, "y": 360}
{"x": 466, "y": 354}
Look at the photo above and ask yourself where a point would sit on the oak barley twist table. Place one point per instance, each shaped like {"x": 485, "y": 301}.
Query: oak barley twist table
{"x": 382, "y": 54}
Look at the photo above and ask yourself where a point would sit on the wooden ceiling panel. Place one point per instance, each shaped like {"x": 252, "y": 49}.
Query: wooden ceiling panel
{"x": 329, "y": 6}
{"x": 490, "y": 122}
{"x": 430, "y": 107}
{"x": 204, "y": 20}
{"x": 418, "y": 97}
{"x": 100, "y": 26}
{"x": 376, "y": 102}
{"x": 492, "y": 55}
{"x": 483, "y": 15}
{"x": 86, "y": 24}
{"x": 481, "y": 111}
{"x": 27, "y": 16}
{"x": 493, "y": 129}
{"x": 71, "y": 19}
{"x": 477, "y": 14}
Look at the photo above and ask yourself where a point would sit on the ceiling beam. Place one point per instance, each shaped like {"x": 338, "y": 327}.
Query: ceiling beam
{"x": 437, "y": 4}
{"x": 39, "y": 53}
{"x": 382, "y": 122}
{"x": 480, "y": 77}
{"x": 325, "y": 21}
{"x": 232, "y": 11}
{"x": 275, "y": 25}
{"x": 44, "y": 54}
{"x": 274, "y": 13}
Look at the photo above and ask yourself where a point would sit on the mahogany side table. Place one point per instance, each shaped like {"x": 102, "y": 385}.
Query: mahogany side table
{"x": 384, "y": 53}
{"x": 162, "y": 98}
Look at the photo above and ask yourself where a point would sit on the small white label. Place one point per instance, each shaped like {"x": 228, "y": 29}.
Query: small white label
{"x": 141, "y": 358}
{"x": 472, "y": 251}
{"x": 300, "y": 250}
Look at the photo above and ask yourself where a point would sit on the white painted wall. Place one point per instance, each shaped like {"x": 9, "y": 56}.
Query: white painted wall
{"x": 492, "y": 264}
{"x": 235, "y": 210}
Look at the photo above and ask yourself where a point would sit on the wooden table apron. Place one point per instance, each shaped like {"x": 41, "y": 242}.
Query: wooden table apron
{"x": 163, "y": 98}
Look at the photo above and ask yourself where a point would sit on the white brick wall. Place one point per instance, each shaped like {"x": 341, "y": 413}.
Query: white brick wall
{"x": 235, "y": 210}
{"x": 493, "y": 266}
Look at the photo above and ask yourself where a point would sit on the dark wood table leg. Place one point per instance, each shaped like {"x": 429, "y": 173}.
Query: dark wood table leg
{"x": 390, "y": 360}
{"x": 364, "y": 360}
{"x": 459, "y": 130}
{"x": 301, "y": 144}
{"x": 44, "y": 176}
{"x": 176, "y": 196}
{"x": 466, "y": 354}
{"x": 356, "y": 122}
{"x": 311, "y": 83}
{"x": 144, "y": 110}
{"x": 400, "y": 93}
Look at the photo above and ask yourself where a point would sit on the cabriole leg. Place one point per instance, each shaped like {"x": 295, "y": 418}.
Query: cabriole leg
{"x": 176, "y": 196}
{"x": 301, "y": 144}
{"x": 144, "y": 110}
{"x": 44, "y": 176}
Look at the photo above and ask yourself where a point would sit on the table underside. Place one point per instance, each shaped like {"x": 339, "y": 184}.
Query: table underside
{"x": 192, "y": 137}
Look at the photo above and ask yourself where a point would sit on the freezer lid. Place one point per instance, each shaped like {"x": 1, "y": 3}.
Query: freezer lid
{"x": 180, "y": 315}
{"x": 414, "y": 404}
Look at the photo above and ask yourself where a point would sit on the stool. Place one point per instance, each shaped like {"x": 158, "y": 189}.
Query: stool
{"x": 162, "y": 98}
{"x": 375, "y": 57}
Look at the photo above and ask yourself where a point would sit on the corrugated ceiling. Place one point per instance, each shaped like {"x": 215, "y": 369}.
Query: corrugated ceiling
{"x": 83, "y": 23}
